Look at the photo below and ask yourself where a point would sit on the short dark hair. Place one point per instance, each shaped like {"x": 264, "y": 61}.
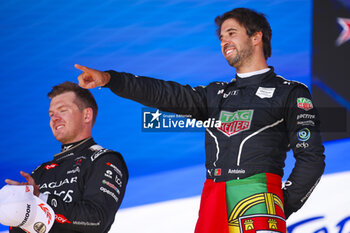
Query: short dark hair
{"x": 252, "y": 21}
{"x": 84, "y": 98}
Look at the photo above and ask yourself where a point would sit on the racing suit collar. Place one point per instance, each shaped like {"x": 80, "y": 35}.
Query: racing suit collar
{"x": 255, "y": 79}
{"x": 75, "y": 148}
{"x": 65, "y": 147}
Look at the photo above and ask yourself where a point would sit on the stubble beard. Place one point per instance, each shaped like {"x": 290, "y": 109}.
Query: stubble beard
{"x": 241, "y": 56}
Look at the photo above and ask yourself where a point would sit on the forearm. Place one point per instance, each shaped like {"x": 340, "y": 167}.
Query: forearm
{"x": 164, "y": 95}
{"x": 302, "y": 181}
{"x": 82, "y": 216}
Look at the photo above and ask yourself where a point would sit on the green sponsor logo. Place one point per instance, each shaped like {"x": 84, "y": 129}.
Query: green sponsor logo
{"x": 304, "y": 134}
{"x": 304, "y": 103}
{"x": 234, "y": 122}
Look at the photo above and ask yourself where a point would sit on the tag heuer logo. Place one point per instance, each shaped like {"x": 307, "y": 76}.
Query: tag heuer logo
{"x": 304, "y": 103}
{"x": 234, "y": 122}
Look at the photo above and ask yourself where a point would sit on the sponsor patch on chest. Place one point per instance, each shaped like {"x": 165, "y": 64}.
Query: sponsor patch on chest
{"x": 265, "y": 92}
{"x": 235, "y": 122}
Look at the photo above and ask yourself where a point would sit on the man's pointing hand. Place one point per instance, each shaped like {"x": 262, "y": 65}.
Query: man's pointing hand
{"x": 91, "y": 78}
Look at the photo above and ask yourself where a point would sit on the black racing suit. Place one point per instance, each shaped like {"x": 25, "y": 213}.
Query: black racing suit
{"x": 85, "y": 185}
{"x": 262, "y": 117}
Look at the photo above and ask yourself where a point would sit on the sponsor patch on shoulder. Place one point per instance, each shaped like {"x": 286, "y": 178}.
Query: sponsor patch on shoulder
{"x": 304, "y": 103}
{"x": 97, "y": 154}
{"x": 96, "y": 148}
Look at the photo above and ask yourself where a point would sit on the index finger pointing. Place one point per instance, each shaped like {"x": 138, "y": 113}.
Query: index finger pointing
{"x": 12, "y": 182}
{"x": 82, "y": 68}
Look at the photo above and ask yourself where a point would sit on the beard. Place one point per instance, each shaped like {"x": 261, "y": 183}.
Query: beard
{"x": 241, "y": 56}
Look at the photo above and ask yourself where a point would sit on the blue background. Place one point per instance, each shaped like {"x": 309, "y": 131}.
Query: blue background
{"x": 40, "y": 41}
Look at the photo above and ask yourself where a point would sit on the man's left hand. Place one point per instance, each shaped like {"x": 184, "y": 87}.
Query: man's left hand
{"x": 30, "y": 181}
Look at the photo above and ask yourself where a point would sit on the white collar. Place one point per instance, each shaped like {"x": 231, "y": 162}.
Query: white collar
{"x": 249, "y": 74}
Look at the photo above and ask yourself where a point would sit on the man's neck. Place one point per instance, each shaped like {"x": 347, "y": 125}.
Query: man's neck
{"x": 249, "y": 74}
{"x": 251, "y": 64}
{"x": 251, "y": 68}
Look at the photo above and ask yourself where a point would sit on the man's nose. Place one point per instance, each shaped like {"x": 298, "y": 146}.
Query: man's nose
{"x": 223, "y": 41}
{"x": 55, "y": 117}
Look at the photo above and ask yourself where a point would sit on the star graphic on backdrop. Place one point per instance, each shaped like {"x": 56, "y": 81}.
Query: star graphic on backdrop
{"x": 156, "y": 115}
{"x": 345, "y": 34}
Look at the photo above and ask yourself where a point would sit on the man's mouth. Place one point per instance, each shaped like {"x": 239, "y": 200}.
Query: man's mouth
{"x": 229, "y": 50}
{"x": 59, "y": 127}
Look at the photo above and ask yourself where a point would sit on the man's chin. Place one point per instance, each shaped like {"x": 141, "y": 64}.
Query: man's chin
{"x": 60, "y": 138}
{"x": 232, "y": 63}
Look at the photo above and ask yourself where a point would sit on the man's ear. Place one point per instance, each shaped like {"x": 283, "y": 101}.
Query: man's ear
{"x": 88, "y": 114}
{"x": 257, "y": 38}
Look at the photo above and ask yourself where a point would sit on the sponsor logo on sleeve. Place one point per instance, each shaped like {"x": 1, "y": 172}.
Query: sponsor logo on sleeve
{"x": 108, "y": 174}
{"x": 61, "y": 219}
{"x": 50, "y": 166}
{"x": 109, "y": 184}
{"x": 115, "y": 169}
{"x": 118, "y": 181}
{"x": 304, "y": 123}
{"x": 235, "y": 122}
{"x": 304, "y": 103}
{"x": 304, "y": 135}
{"x": 302, "y": 145}
{"x": 96, "y": 148}
{"x": 97, "y": 154}
{"x": 305, "y": 116}
{"x": 103, "y": 189}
